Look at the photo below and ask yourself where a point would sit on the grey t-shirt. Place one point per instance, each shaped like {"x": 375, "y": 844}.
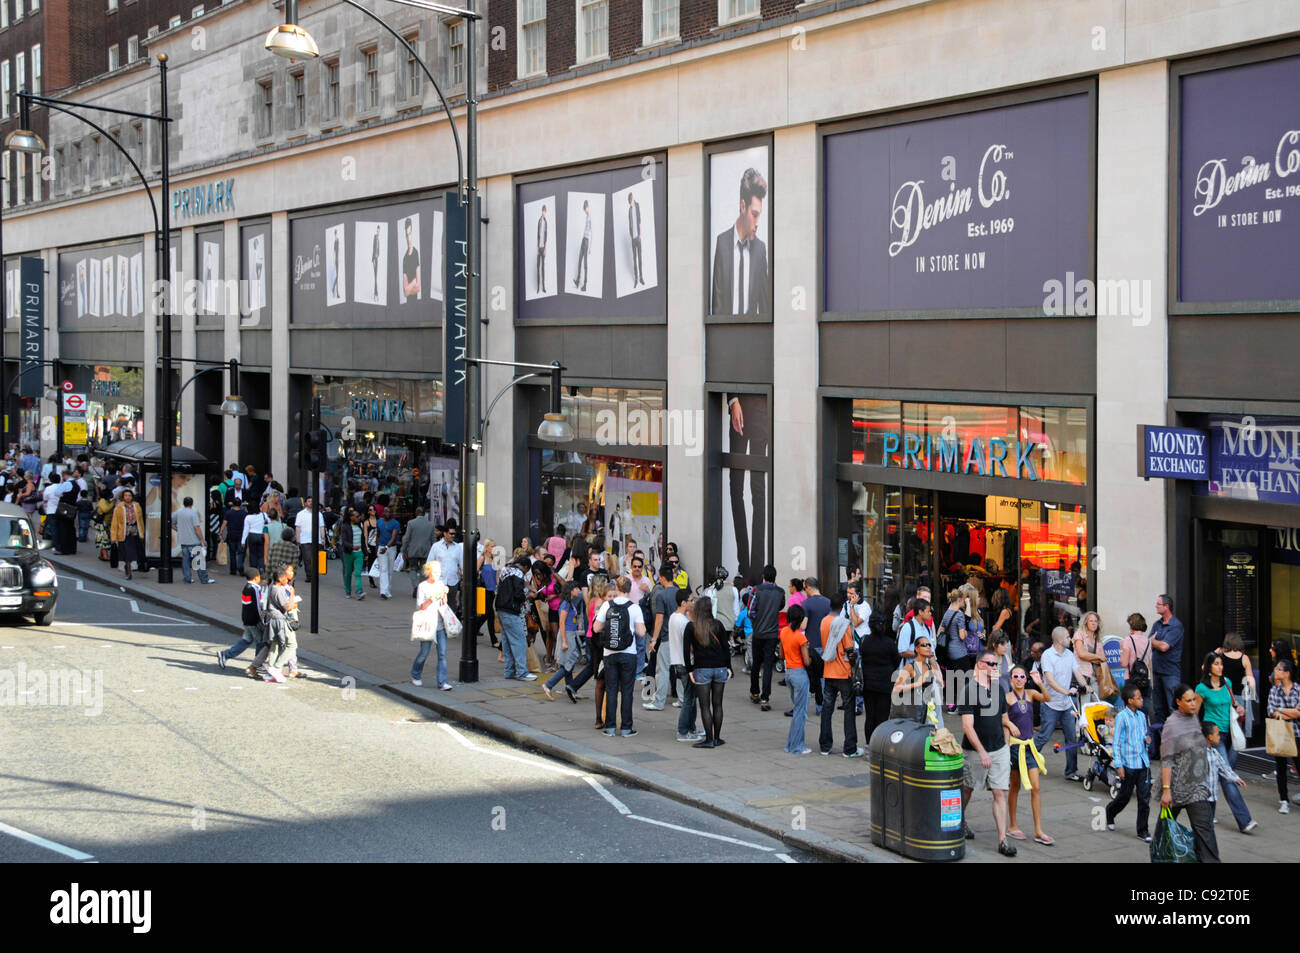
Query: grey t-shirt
{"x": 664, "y": 603}
{"x": 187, "y": 525}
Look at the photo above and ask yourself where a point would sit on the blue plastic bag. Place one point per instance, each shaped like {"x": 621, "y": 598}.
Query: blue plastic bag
{"x": 1172, "y": 843}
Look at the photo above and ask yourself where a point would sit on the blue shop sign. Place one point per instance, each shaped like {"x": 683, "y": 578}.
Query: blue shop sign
{"x": 1172, "y": 453}
{"x": 1254, "y": 458}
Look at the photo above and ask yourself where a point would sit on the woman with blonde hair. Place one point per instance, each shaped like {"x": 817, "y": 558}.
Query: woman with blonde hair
{"x": 427, "y": 627}
{"x": 1087, "y": 648}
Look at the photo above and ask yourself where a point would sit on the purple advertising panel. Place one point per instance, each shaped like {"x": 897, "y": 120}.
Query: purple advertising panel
{"x": 1239, "y": 183}
{"x": 976, "y": 211}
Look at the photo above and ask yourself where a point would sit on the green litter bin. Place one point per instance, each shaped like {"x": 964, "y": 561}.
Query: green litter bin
{"x": 915, "y": 793}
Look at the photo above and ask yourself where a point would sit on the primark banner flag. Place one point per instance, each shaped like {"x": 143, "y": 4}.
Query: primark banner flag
{"x": 31, "y": 309}
{"x": 455, "y": 323}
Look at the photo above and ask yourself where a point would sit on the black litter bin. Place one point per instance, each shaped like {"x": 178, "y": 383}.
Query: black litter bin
{"x": 915, "y": 793}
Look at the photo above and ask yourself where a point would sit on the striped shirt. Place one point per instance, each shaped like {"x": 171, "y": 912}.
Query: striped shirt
{"x": 1219, "y": 770}
{"x": 1131, "y": 739}
{"x": 1278, "y": 699}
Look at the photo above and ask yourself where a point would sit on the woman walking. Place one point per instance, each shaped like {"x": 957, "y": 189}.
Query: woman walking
{"x": 1220, "y": 707}
{"x": 1185, "y": 772}
{"x": 1284, "y": 704}
{"x": 103, "y": 520}
{"x": 708, "y": 662}
{"x": 879, "y": 654}
{"x": 281, "y": 646}
{"x": 352, "y": 544}
{"x": 370, "y": 526}
{"x": 569, "y": 614}
{"x": 545, "y": 593}
{"x": 427, "y": 627}
{"x": 127, "y": 531}
{"x": 1026, "y": 761}
{"x": 487, "y": 571}
{"x": 1087, "y": 649}
{"x": 794, "y": 649}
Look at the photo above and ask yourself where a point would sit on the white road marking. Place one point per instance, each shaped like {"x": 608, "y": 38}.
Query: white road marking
{"x": 137, "y": 690}
{"x": 688, "y": 830}
{"x": 786, "y": 858}
{"x": 69, "y": 852}
{"x": 135, "y": 606}
{"x": 600, "y": 789}
{"x": 129, "y": 623}
{"x": 191, "y": 688}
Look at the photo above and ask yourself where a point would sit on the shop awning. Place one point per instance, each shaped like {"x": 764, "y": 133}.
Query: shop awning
{"x": 148, "y": 454}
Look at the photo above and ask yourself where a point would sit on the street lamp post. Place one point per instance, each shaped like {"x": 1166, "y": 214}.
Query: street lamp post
{"x": 23, "y": 139}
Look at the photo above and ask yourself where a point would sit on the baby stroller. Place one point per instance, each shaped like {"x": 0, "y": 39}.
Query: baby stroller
{"x": 1095, "y": 740}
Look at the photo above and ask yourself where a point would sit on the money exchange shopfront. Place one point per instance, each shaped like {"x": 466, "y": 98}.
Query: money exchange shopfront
{"x": 937, "y": 494}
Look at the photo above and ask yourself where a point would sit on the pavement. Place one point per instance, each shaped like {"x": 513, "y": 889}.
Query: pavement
{"x": 811, "y": 803}
{"x": 123, "y": 743}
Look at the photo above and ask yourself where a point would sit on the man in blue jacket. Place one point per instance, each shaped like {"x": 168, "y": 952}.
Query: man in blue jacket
{"x": 1167, "y": 666}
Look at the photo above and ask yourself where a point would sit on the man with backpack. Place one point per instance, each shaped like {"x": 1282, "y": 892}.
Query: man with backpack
{"x": 920, "y": 621}
{"x": 618, "y": 622}
{"x": 765, "y": 610}
{"x": 511, "y": 605}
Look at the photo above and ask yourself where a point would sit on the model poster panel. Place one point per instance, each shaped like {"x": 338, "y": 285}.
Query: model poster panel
{"x": 209, "y": 253}
{"x": 740, "y": 226}
{"x": 377, "y": 265}
{"x": 977, "y": 211}
{"x": 255, "y": 275}
{"x": 593, "y": 245}
{"x": 1239, "y": 184}
{"x": 101, "y": 287}
{"x": 745, "y": 534}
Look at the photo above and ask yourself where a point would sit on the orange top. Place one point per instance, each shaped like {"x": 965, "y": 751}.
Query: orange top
{"x": 837, "y": 667}
{"x": 790, "y": 642}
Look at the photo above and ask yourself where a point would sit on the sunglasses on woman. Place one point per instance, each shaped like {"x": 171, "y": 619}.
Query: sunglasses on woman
{"x": 922, "y": 645}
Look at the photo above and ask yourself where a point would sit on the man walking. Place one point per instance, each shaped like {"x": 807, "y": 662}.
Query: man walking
{"x": 189, "y": 533}
{"x": 389, "y": 536}
{"x": 1166, "y": 637}
{"x": 622, "y": 618}
{"x": 251, "y": 538}
{"x": 302, "y": 524}
{"x": 447, "y": 553}
{"x": 1057, "y": 667}
{"x": 985, "y": 722}
{"x": 417, "y": 539}
{"x": 765, "y": 613}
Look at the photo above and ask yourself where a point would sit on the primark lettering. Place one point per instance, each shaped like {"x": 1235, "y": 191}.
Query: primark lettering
{"x": 374, "y": 408}
{"x": 962, "y": 455}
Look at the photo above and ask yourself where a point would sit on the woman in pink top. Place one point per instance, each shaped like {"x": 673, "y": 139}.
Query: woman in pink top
{"x": 557, "y": 544}
{"x": 1135, "y": 645}
{"x": 797, "y": 595}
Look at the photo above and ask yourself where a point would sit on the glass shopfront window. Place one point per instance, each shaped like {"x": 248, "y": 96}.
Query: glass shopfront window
{"x": 624, "y": 415}
{"x": 617, "y": 498}
{"x": 114, "y": 405}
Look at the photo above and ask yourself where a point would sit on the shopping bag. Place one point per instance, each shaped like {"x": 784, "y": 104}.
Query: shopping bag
{"x": 374, "y": 570}
{"x": 422, "y": 626}
{"x": 1172, "y": 843}
{"x": 223, "y": 554}
{"x": 450, "y": 623}
{"x": 399, "y": 563}
{"x": 1279, "y": 738}
{"x": 534, "y": 665}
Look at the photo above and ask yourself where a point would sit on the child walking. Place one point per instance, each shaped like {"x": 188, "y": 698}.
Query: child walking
{"x": 571, "y": 631}
{"x": 1133, "y": 764}
{"x": 252, "y": 605}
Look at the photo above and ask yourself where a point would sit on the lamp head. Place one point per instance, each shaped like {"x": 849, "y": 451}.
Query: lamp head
{"x": 23, "y": 139}
{"x": 289, "y": 39}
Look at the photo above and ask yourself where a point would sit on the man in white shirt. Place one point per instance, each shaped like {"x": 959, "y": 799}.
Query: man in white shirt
{"x": 302, "y": 525}
{"x": 620, "y": 664}
{"x": 921, "y": 623}
{"x": 1057, "y": 667}
{"x": 686, "y": 730}
{"x": 447, "y": 553}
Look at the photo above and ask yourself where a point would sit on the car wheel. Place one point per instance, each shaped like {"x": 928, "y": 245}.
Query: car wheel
{"x": 44, "y": 618}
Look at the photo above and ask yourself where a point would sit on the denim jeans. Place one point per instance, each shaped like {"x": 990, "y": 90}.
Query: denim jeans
{"x": 562, "y": 673}
{"x": 1136, "y": 780}
{"x": 836, "y": 687}
{"x": 1051, "y": 718}
{"x": 620, "y": 677}
{"x": 686, "y": 692}
{"x": 249, "y": 638}
{"x": 593, "y": 662}
{"x": 797, "y": 681}
{"x": 1162, "y": 690}
{"x": 1232, "y": 793}
{"x": 187, "y": 554}
{"x": 514, "y": 644}
{"x": 662, "y": 673}
{"x": 236, "y": 559}
{"x": 423, "y": 655}
{"x": 640, "y": 654}
{"x": 83, "y": 526}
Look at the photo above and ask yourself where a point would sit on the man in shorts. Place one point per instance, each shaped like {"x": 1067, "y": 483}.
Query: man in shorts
{"x": 985, "y": 724}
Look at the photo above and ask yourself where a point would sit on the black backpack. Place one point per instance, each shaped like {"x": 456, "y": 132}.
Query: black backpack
{"x": 1138, "y": 674}
{"x": 617, "y": 634}
{"x": 510, "y": 594}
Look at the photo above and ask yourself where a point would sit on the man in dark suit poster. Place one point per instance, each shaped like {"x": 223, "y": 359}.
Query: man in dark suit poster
{"x": 634, "y": 232}
{"x": 747, "y": 421}
{"x": 542, "y": 235}
{"x": 740, "y": 283}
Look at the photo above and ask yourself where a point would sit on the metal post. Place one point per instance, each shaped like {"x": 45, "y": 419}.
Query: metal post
{"x": 315, "y": 526}
{"x": 4, "y": 328}
{"x": 468, "y": 460}
{"x": 167, "y": 425}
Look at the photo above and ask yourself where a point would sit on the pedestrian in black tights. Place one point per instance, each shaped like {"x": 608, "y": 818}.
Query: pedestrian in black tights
{"x": 708, "y": 663}
{"x": 1284, "y": 703}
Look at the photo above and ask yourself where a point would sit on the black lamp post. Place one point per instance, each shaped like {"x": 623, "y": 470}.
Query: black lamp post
{"x": 24, "y": 140}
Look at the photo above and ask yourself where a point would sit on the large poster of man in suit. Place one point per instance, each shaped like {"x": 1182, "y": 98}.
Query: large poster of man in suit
{"x": 636, "y": 265}
{"x": 540, "y": 264}
{"x": 370, "y": 274}
{"x": 584, "y": 252}
{"x": 740, "y": 216}
{"x": 745, "y": 430}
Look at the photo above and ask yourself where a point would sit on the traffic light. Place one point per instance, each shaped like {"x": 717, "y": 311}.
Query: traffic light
{"x": 301, "y": 433}
{"x": 314, "y": 453}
